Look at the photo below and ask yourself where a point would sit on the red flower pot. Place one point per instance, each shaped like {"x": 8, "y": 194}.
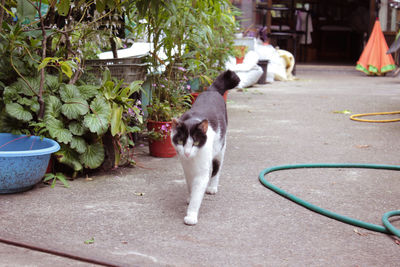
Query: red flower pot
{"x": 162, "y": 148}
{"x": 194, "y": 96}
{"x": 239, "y": 60}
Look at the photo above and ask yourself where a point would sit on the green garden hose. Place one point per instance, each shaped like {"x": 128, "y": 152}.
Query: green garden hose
{"x": 388, "y": 228}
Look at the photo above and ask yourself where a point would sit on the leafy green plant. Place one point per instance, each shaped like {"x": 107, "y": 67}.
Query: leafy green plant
{"x": 160, "y": 133}
{"x": 40, "y": 87}
{"x": 126, "y": 112}
{"x": 67, "y": 67}
{"x": 196, "y": 39}
{"x": 56, "y": 177}
{"x": 239, "y": 51}
{"x": 170, "y": 94}
{"x": 75, "y": 116}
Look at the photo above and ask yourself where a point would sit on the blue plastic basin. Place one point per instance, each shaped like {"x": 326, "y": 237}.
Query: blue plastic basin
{"x": 23, "y": 161}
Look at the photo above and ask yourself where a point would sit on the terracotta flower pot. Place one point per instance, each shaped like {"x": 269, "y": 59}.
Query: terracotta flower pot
{"x": 162, "y": 148}
{"x": 194, "y": 96}
{"x": 239, "y": 60}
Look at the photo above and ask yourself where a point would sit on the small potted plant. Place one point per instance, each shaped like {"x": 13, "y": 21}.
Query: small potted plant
{"x": 239, "y": 51}
{"x": 170, "y": 98}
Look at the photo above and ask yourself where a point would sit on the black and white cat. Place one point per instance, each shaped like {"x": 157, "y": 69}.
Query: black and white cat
{"x": 199, "y": 137}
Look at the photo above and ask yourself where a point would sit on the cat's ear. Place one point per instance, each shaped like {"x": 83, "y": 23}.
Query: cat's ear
{"x": 175, "y": 123}
{"x": 203, "y": 126}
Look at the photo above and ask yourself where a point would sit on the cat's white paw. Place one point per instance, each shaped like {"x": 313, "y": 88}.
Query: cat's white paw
{"x": 212, "y": 190}
{"x": 190, "y": 219}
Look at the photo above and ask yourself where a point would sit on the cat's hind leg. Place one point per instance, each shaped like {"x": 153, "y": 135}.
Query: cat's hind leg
{"x": 212, "y": 188}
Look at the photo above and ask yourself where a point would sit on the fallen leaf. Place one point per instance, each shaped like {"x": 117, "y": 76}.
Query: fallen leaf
{"x": 89, "y": 241}
{"x": 358, "y": 232}
{"x": 362, "y": 146}
{"x": 346, "y": 111}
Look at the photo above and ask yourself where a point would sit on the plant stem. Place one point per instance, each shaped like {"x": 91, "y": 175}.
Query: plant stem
{"x": 113, "y": 47}
{"x": 2, "y": 13}
{"x": 20, "y": 75}
{"x": 42, "y": 71}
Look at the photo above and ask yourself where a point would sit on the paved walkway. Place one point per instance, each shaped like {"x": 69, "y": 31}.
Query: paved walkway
{"x": 135, "y": 216}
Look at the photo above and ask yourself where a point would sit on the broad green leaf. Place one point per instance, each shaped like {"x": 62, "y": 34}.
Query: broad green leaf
{"x": 58, "y": 131}
{"x": 53, "y": 107}
{"x": 9, "y": 124}
{"x": 30, "y": 102}
{"x": 69, "y": 157}
{"x": 100, "y": 5}
{"x": 96, "y": 123}
{"x": 77, "y": 128}
{"x": 88, "y": 91}
{"x": 52, "y": 82}
{"x": 66, "y": 69}
{"x": 94, "y": 156}
{"x": 74, "y": 108}
{"x": 63, "y": 7}
{"x": 68, "y": 92}
{"x": 25, "y": 101}
{"x": 98, "y": 120}
{"x": 17, "y": 111}
{"x": 116, "y": 120}
{"x": 79, "y": 144}
{"x": 11, "y": 93}
{"x": 35, "y": 106}
{"x": 44, "y": 63}
{"x": 111, "y": 3}
{"x": 133, "y": 129}
{"x": 20, "y": 87}
{"x": 134, "y": 87}
{"x": 34, "y": 84}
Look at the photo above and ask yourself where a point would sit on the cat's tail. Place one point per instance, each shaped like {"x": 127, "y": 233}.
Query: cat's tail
{"x": 225, "y": 81}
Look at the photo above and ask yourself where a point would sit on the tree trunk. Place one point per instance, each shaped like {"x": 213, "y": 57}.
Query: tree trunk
{"x": 113, "y": 47}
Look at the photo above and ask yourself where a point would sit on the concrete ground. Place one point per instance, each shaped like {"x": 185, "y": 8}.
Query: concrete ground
{"x": 135, "y": 215}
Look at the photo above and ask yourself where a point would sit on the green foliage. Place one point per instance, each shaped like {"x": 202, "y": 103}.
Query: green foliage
{"x": 66, "y": 67}
{"x": 54, "y": 177}
{"x": 196, "y": 34}
{"x": 75, "y": 116}
{"x": 125, "y": 111}
{"x": 196, "y": 38}
{"x": 240, "y": 51}
{"x": 18, "y": 52}
{"x": 43, "y": 57}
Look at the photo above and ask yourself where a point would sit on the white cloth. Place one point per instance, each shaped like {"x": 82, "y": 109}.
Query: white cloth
{"x": 304, "y": 25}
{"x": 137, "y": 49}
{"x": 249, "y": 72}
{"x": 276, "y": 69}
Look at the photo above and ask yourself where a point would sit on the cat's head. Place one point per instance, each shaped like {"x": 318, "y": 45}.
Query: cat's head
{"x": 189, "y": 136}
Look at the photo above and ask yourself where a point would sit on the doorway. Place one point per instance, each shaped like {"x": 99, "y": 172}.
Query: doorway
{"x": 339, "y": 31}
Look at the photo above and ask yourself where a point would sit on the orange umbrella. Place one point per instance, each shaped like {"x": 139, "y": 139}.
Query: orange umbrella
{"x": 374, "y": 60}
